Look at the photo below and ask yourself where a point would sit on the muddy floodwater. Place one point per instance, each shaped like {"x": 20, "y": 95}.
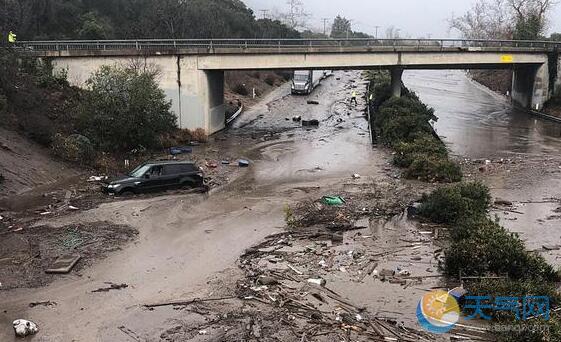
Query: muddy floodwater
{"x": 479, "y": 124}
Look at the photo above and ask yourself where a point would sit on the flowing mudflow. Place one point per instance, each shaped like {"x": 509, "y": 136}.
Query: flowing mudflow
{"x": 189, "y": 245}
{"x": 525, "y": 152}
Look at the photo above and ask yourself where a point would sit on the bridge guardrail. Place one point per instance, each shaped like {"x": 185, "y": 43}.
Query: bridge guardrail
{"x": 211, "y": 44}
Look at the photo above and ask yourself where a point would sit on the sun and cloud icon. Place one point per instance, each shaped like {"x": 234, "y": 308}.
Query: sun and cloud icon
{"x": 438, "y": 312}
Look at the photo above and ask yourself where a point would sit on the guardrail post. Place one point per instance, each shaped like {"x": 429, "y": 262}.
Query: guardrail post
{"x": 136, "y": 42}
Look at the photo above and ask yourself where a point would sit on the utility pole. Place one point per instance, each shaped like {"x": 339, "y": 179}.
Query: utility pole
{"x": 325, "y": 25}
{"x": 264, "y": 11}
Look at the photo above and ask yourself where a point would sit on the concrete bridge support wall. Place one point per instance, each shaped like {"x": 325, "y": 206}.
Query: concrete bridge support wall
{"x": 197, "y": 96}
{"x": 530, "y": 86}
{"x": 557, "y": 81}
{"x": 200, "y": 96}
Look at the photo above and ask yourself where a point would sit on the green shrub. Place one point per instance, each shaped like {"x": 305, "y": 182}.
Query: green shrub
{"x": 449, "y": 204}
{"x": 240, "y": 89}
{"x": 433, "y": 169}
{"x": 523, "y": 330}
{"x": 402, "y": 120}
{"x": 537, "y": 330}
{"x": 3, "y": 103}
{"x": 76, "y": 148}
{"x": 489, "y": 249}
{"x": 270, "y": 80}
{"x": 124, "y": 109}
{"x": 512, "y": 288}
{"x": 424, "y": 144}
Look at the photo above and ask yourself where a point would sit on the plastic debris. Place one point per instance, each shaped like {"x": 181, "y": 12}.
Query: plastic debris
{"x": 404, "y": 273}
{"x": 317, "y": 281}
{"x": 332, "y": 200}
{"x": 97, "y": 178}
{"x": 312, "y": 122}
{"x": 25, "y": 328}
{"x": 180, "y": 150}
{"x": 458, "y": 293}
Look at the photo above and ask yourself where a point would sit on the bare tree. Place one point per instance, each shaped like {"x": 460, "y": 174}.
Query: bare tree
{"x": 531, "y": 17}
{"x": 392, "y": 32}
{"x": 487, "y": 19}
{"x": 504, "y": 19}
{"x": 296, "y": 17}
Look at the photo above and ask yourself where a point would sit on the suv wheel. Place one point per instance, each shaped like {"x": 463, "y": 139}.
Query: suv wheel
{"x": 126, "y": 193}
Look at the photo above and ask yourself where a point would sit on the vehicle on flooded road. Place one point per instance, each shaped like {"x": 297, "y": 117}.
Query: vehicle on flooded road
{"x": 157, "y": 176}
{"x": 305, "y": 81}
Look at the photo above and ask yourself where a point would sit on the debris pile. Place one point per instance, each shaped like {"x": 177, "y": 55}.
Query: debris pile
{"x": 288, "y": 271}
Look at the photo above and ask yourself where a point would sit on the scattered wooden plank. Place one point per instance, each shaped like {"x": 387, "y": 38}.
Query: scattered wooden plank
{"x": 63, "y": 264}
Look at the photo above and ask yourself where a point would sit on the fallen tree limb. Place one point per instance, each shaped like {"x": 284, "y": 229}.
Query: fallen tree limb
{"x": 187, "y": 302}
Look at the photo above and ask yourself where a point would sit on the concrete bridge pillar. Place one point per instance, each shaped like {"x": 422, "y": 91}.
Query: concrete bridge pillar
{"x": 200, "y": 96}
{"x": 396, "y": 81}
{"x": 557, "y": 80}
{"x": 530, "y": 86}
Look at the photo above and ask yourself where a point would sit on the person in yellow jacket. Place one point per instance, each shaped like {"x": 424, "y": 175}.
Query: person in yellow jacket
{"x": 12, "y": 37}
{"x": 353, "y": 97}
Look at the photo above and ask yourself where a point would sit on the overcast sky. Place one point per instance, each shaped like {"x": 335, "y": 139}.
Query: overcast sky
{"x": 416, "y": 18}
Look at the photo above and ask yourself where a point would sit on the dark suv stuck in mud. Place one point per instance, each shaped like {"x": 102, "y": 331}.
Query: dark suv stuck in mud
{"x": 157, "y": 176}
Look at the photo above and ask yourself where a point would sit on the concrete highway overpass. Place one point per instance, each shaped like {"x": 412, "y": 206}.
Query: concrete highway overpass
{"x": 192, "y": 71}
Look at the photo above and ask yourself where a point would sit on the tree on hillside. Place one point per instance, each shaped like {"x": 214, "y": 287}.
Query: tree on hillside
{"x": 555, "y": 37}
{"x": 531, "y": 17}
{"x": 341, "y": 27}
{"x": 132, "y": 19}
{"x": 124, "y": 109}
{"x": 504, "y": 19}
{"x": 268, "y": 28}
{"x": 94, "y": 27}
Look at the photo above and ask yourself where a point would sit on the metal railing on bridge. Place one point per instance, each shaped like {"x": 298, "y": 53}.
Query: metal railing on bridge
{"x": 256, "y": 44}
